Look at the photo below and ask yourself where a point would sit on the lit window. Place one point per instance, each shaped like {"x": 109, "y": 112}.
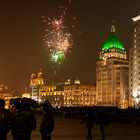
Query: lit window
{"x": 135, "y": 30}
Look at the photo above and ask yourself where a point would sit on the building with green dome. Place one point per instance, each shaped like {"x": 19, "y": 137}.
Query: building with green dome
{"x": 113, "y": 41}
{"x": 112, "y": 72}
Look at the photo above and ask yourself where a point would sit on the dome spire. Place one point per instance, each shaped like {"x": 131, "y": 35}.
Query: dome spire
{"x": 113, "y": 41}
{"x": 113, "y": 26}
{"x": 112, "y": 29}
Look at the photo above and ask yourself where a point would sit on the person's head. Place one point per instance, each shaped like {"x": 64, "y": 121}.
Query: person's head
{"x": 25, "y": 106}
{"x": 46, "y": 106}
{"x": 17, "y": 104}
{"x": 2, "y": 103}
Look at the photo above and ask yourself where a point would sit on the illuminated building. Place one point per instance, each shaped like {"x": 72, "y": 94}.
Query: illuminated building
{"x": 72, "y": 93}
{"x": 112, "y": 73}
{"x": 54, "y": 94}
{"x": 5, "y": 94}
{"x": 26, "y": 94}
{"x": 76, "y": 94}
{"x": 36, "y": 82}
{"x": 124, "y": 104}
{"x": 41, "y": 92}
{"x": 134, "y": 72}
{"x": 69, "y": 93}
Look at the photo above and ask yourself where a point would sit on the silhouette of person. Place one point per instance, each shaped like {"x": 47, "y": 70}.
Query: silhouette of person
{"x": 23, "y": 122}
{"x": 5, "y": 119}
{"x": 47, "y": 123}
{"x": 15, "y": 109}
{"x": 89, "y": 121}
{"x": 102, "y": 120}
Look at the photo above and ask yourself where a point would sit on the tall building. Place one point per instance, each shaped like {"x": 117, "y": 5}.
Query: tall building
{"x": 36, "y": 82}
{"x": 134, "y": 72}
{"x": 112, "y": 73}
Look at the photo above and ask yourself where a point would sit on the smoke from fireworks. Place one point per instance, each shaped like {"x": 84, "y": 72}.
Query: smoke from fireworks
{"x": 57, "y": 39}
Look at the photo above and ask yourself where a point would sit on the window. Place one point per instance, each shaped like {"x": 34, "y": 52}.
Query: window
{"x": 117, "y": 93}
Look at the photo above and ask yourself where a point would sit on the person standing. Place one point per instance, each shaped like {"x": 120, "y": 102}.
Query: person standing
{"x": 5, "y": 120}
{"x": 102, "y": 120}
{"x": 47, "y": 123}
{"x": 15, "y": 109}
{"x": 23, "y": 123}
{"x": 89, "y": 121}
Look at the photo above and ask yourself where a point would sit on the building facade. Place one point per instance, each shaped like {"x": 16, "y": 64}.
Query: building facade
{"x": 70, "y": 93}
{"x": 54, "y": 94}
{"x": 112, "y": 71}
{"x": 77, "y": 94}
{"x": 134, "y": 59}
{"x": 36, "y": 82}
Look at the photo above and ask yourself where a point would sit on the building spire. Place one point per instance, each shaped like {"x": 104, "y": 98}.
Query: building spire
{"x": 112, "y": 29}
{"x": 113, "y": 26}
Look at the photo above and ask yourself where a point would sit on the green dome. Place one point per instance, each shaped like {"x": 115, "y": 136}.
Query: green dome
{"x": 113, "y": 42}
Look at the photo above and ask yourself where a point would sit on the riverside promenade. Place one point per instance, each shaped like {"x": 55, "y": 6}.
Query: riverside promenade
{"x": 72, "y": 129}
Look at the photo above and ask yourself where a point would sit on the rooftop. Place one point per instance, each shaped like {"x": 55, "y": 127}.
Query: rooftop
{"x": 113, "y": 41}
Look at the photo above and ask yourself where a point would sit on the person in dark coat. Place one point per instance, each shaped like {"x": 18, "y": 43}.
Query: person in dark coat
{"x": 89, "y": 121}
{"x": 47, "y": 123}
{"x": 16, "y": 107}
{"x": 23, "y": 123}
{"x": 5, "y": 120}
{"x": 102, "y": 120}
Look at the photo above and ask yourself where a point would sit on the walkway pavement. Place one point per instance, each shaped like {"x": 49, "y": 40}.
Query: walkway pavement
{"x": 72, "y": 129}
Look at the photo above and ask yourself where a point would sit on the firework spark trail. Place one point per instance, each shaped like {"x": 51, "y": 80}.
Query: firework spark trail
{"x": 57, "y": 39}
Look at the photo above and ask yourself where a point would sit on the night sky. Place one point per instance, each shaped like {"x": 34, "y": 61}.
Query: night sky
{"x": 22, "y": 30}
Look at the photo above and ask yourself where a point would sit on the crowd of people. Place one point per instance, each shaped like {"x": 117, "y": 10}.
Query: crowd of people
{"x": 21, "y": 121}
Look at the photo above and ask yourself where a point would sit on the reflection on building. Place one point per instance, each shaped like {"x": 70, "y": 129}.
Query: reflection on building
{"x": 112, "y": 73}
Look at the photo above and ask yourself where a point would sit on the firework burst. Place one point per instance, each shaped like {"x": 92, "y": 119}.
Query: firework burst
{"x": 57, "y": 39}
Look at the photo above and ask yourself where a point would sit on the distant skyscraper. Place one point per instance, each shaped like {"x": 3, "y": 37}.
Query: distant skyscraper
{"x": 134, "y": 72}
{"x": 112, "y": 73}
